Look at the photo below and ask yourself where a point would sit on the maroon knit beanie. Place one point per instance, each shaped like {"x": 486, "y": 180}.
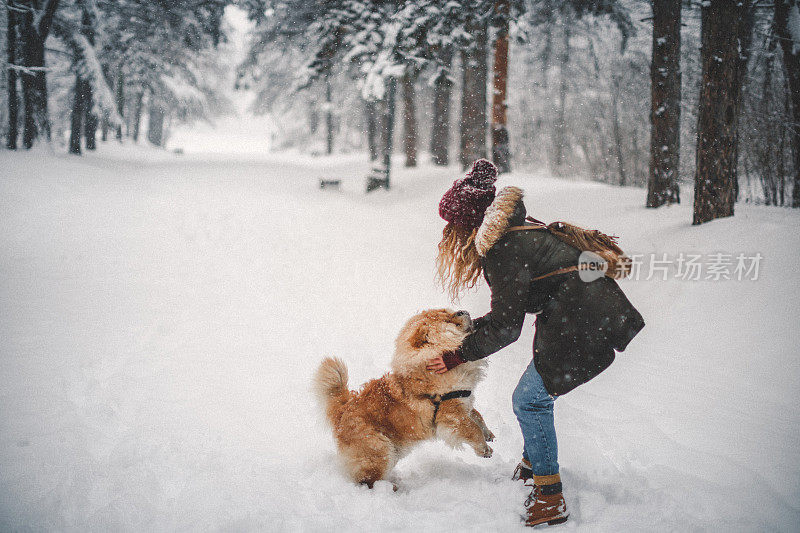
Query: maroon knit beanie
{"x": 466, "y": 202}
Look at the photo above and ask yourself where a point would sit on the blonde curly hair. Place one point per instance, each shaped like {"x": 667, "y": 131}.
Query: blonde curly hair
{"x": 458, "y": 264}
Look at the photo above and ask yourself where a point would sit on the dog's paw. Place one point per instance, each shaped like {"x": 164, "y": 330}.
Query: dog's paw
{"x": 488, "y": 435}
{"x": 486, "y": 451}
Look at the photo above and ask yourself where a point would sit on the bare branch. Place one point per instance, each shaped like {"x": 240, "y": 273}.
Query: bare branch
{"x": 44, "y": 19}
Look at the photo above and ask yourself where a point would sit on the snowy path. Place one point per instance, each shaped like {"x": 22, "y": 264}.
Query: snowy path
{"x": 160, "y": 320}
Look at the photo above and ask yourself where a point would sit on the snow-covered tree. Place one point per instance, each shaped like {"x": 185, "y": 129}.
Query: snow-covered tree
{"x": 155, "y": 49}
{"x": 161, "y": 52}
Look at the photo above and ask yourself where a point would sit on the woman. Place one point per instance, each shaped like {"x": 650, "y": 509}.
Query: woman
{"x": 579, "y": 324}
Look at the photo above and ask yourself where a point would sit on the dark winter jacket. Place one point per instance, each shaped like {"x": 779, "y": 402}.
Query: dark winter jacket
{"x": 579, "y": 324}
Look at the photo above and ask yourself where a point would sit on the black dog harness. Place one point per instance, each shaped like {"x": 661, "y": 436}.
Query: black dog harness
{"x": 437, "y": 399}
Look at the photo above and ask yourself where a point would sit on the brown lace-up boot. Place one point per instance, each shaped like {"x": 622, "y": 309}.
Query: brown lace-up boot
{"x": 546, "y": 503}
{"x": 523, "y": 472}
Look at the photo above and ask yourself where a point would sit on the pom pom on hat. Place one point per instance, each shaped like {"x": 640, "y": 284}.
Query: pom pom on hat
{"x": 466, "y": 202}
{"x": 483, "y": 173}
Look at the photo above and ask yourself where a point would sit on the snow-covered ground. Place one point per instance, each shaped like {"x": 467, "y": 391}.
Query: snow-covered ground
{"x": 160, "y": 318}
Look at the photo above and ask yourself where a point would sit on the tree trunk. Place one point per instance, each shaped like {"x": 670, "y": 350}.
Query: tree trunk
{"x": 90, "y": 117}
{"x": 791, "y": 68}
{"x": 90, "y": 121}
{"x": 561, "y": 125}
{"x": 665, "y": 104}
{"x": 328, "y": 116}
{"x": 104, "y": 119}
{"x": 371, "y": 110}
{"x": 13, "y": 101}
{"x": 78, "y": 111}
{"x": 34, "y": 80}
{"x": 765, "y": 154}
{"x": 155, "y": 126}
{"x": 409, "y": 117}
{"x": 782, "y": 154}
{"x": 35, "y": 120}
{"x": 746, "y": 24}
{"x": 313, "y": 117}
{"x": 388, "y": 127}
{"x": 380, "y": 177}
{"x": 440, "y": 133}
{"x": 473, "y": 95}
{"x": 500, "y": 144}
{"x": 84, "y": 120}
{"x": 119, "y": 96}
{"x": 137, "y": 115}
{"x": 724, "y": 30}
{"x": 623, "y": 180}
{"x": 465, "y": 125}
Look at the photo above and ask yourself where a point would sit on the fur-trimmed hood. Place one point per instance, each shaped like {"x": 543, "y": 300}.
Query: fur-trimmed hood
{"x": 506, "y": 210}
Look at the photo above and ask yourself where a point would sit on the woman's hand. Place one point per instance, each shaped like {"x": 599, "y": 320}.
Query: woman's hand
{"x": 436, "y": 365}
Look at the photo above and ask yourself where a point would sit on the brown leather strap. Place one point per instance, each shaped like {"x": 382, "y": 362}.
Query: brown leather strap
{"x": 523, "y": 228}
{"x": 535, "y": 220}
{"x": 564, "y": 270}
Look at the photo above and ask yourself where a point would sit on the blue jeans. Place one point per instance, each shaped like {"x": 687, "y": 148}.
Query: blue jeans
{"x": 533, "y": 406}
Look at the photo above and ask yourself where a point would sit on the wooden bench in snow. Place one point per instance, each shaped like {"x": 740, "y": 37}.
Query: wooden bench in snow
{"x": 329, "y": 183}
{"x": 378, "y": 179}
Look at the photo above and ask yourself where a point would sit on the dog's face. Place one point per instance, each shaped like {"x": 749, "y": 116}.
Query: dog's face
{"x": 429, "y": 334}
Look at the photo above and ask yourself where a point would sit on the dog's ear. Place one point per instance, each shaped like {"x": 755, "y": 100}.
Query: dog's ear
{"x": 419, "y": 337}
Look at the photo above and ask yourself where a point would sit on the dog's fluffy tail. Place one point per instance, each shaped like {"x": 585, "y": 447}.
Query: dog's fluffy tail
{"x": 330, "y": 386}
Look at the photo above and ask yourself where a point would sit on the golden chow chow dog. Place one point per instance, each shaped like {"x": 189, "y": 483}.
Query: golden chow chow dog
{"x": 379, "y": 424}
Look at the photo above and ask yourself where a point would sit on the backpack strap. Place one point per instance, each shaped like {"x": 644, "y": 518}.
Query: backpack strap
{"x": 523, "y": 228}
{"x": 573, "y": 268}
{"x": 540, "y": 226}
{"x": 537, "y": 224}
